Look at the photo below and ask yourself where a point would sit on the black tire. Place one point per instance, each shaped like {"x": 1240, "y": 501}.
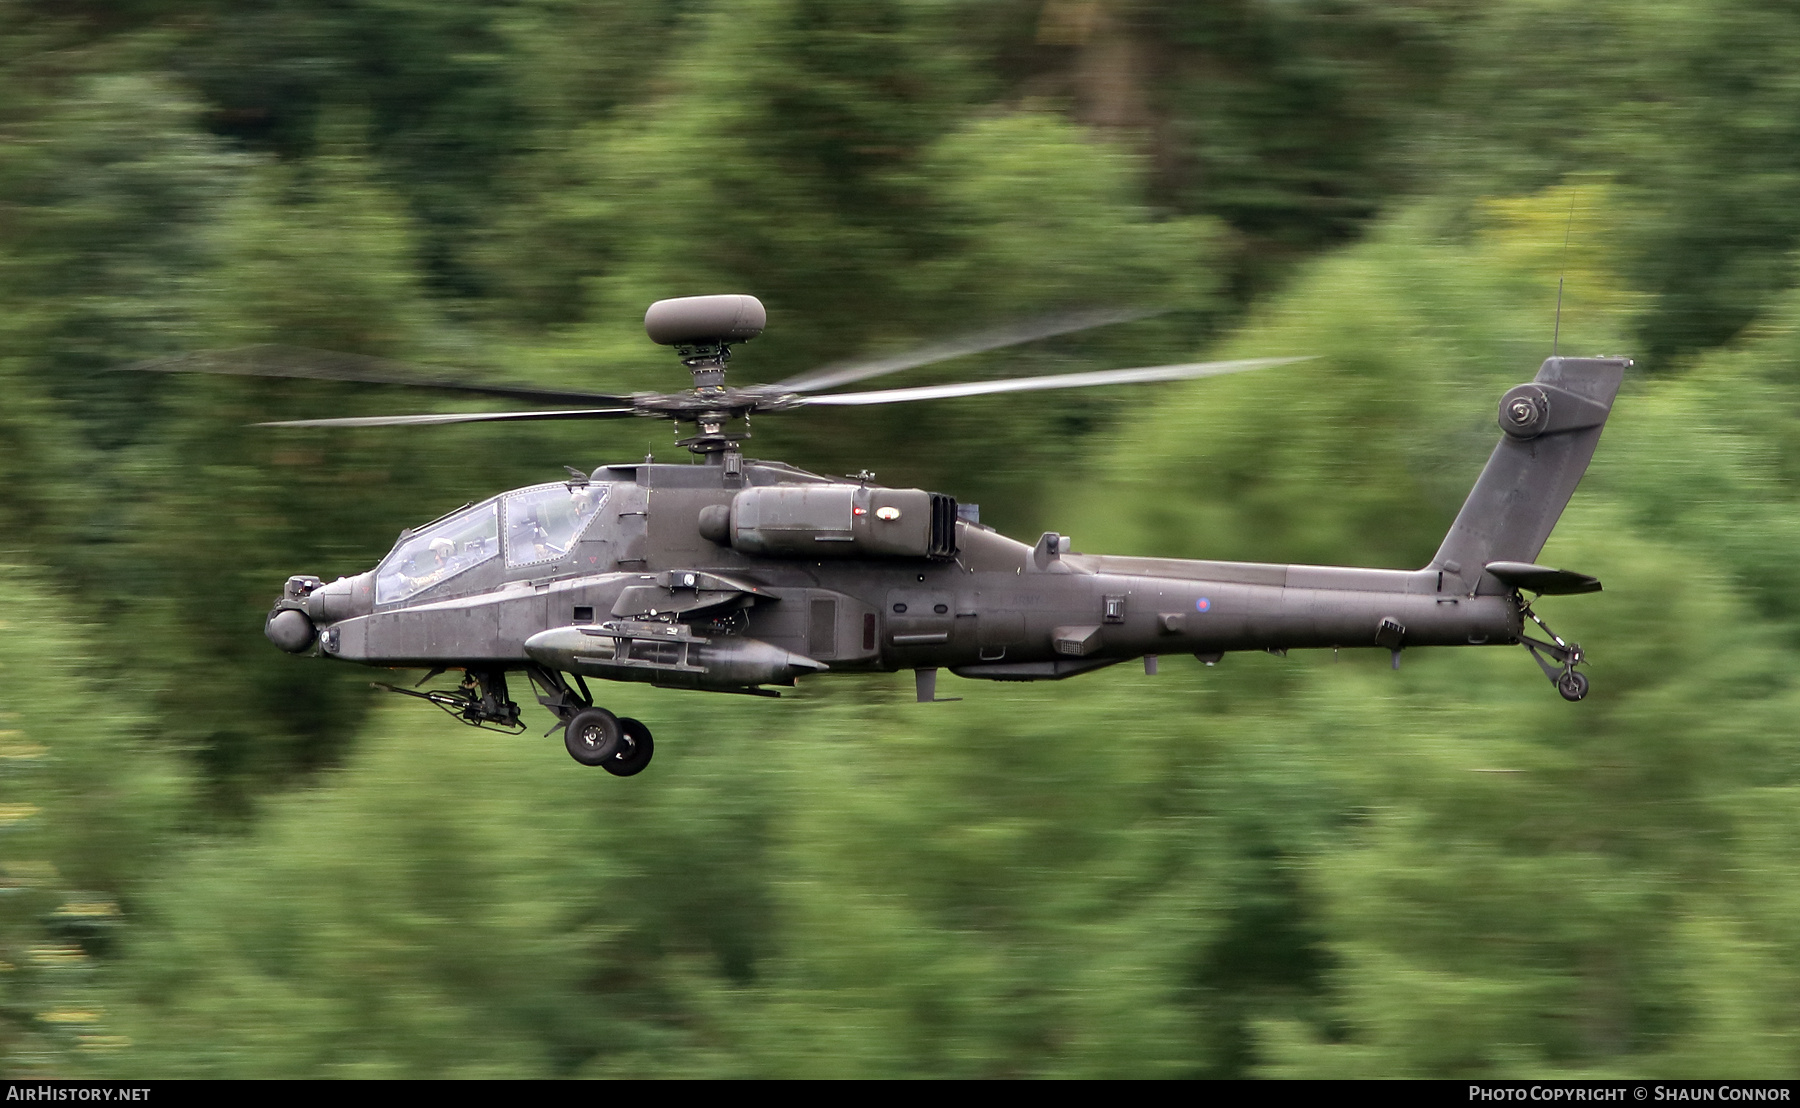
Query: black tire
{"x": 635, "y": 750}
{"x": 1572, "y": 685}
{"x": 593, "y": 736}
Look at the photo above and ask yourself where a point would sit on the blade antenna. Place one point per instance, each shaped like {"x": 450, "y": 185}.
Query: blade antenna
{"x": 1556, "y": 336}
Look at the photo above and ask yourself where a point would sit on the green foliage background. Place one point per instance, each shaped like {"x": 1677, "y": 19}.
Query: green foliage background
{"x": 216, "y": 860}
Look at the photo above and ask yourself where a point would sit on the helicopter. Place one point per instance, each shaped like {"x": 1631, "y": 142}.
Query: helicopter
{"x": 742, "y": 576}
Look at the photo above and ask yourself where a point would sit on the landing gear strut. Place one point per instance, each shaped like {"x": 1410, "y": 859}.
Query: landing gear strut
{"x": 594, "y": 736}
{"x": 555, "y": 693}
{"x": 1556, "y": 658}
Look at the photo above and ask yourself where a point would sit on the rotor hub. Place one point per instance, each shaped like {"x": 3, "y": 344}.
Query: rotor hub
{"x": 707, "y": 364}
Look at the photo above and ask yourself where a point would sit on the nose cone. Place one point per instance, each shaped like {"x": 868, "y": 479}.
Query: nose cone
{"x": 290, "y": 630}
{"x": 800, "y": 663}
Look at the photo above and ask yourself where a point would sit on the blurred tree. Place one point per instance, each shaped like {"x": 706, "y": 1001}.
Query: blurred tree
{"x": 782, "y": 159}
{"x": 319, "y": 256}
{"x": 1530, "y": 892}
{"x": 455, "y": 93}
{"x": 84, "y": 812}
{"x": 217, "y": 513}
{"x": 1033, "y": 215}
{"x": 110, "y": 194}
{"x": 1280, "y": 119}
{"x": 1688, "y": 105}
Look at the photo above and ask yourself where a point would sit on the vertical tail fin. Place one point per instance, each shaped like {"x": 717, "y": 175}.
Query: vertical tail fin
{"x": 1551, "y": 427}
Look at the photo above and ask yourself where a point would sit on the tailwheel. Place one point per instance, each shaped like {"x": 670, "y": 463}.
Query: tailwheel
{"x": 1557, "y": 658}
{"x": 635, "y": 749}
{"x": 594, "y": 737}
{"x": 1572, "y": 685}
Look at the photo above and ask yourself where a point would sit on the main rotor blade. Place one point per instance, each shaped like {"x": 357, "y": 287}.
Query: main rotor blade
{"x": 293, "y": 362}
{"x": 1058, "y": 381}
{"x": 831, "y": 376}
{"x": 453, "y": 417}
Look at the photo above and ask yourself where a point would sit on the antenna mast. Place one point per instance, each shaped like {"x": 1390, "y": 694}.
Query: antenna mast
{"x": 1556, "y": 336}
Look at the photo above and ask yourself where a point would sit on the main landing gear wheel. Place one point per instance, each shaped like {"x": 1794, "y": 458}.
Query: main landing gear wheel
{"x": 1572, "y": 685}
{"x": 635, "y": 749}
{"x": 594, "y": 737}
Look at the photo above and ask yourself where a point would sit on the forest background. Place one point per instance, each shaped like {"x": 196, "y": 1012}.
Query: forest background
{"x": 217, "y": 860}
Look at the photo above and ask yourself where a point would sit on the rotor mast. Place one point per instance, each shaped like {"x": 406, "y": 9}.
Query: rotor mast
{"x": 711, "y": 410}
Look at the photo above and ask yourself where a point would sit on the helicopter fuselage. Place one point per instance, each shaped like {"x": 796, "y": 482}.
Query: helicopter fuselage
{"x": 642, "y": 570}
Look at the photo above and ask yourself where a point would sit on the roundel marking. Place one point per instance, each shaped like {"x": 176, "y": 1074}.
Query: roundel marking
{"x": 1203, "y": 604}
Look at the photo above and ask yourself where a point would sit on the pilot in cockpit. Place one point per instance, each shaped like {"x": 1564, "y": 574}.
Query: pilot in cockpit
{"x": 441, "y": 551}
{"x": 542, "y": 545}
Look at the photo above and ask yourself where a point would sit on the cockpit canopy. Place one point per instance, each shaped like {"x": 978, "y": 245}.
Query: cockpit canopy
{"x": 540, "y": 524}
{"x": 543, "y": 522}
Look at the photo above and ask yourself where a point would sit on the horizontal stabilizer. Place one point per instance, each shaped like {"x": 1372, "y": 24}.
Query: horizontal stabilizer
{"x": 1542, "y": 579}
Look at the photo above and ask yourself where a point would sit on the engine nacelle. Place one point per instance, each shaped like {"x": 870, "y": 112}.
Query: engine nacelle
{"x": 837, "y": 521}
{"x": 667, "y": 654}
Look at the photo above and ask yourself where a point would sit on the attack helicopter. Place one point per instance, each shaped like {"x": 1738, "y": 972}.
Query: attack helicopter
{"x": 738, "y": 574}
